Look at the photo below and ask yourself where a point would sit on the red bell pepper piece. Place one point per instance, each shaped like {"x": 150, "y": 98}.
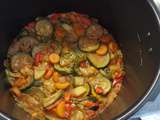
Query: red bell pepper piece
{"x": 38, "y": 58}
{"x": 30, "y": 26}
{"x": 54, "y": 17}
{"x": 118, "y": 77}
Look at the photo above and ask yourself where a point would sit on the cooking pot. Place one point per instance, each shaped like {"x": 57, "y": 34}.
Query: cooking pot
{"x": 134, "y": 25}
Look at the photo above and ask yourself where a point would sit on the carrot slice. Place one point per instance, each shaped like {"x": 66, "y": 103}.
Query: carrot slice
{"x": 99, "y": 90}
{"x": 54, "y": 58}
{"x": 60, "y": 110}
{"x": 89, "y": 104}
{"x": 48, "y": 73}
{"x": 56, "y": 76}
{"x": 102, "y": 50}
{"x": 63, "y": 85}
{"x": 113, "y": 47}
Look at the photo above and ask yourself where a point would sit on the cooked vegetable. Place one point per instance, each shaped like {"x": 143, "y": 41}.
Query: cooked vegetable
{"x": 87, "y": 86}
{"x": 57, "y": 47}
{"x": 15, "y": 91}
{"x": 54, "y": 58}
{"x": 60, "y": 110}
{"x": 94, "y": 32}
{"x": 103, "y": 85}
{"x": 98, "y": 97}
{"x": 19, "y": 81}
{"x": 78, "y": 81}
{"x": 39, "y": 48}
{"x": 60, "y": 67}
{"x": 77, "y": 115}
{"x": 63, "y": 70}
{"x": 88, "y": 45}
{"x": 48, "y": 73}
{"x": 56, "y": 76}
{"x": 27, "y": 43}
{"x": 106, "y": 72}
{"x": 13, "y": 48}
{"x": 79, "y": 91}
{"x": 94, "y": 108}
{"x": 106, "y": 39}
{"x": 113, "y": 47}
{"x": 93, "y": 99}
{"x": 67, "y": 96}
{"x": 59, "y": 33}
{"x": 19, "y": 60}
{"x": 40, "y": 70}
{"x": 98, "y": 60}
{"x": 44, "y": 28}
{"x": 79, "y": 29}
{"x": 102, "y": 50}
{"x": 67, "y": 59}
{"x": 63, "y": 85}
{"x": 53, "y": 98}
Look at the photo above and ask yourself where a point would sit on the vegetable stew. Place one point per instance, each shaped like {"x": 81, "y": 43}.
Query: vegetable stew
{"x": 65, "y": 66}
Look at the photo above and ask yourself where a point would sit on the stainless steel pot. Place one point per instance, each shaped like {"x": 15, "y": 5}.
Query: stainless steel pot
{"x": 135, "y": 25}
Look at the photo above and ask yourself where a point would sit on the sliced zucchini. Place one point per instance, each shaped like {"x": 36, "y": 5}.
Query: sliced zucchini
{"x": 67, "y": 27}
{"x": 27, "y": 43}
{"x": 19, "y": 60}
{"x": 79, "y": 91}
{"x": 94, "y": 94}
{"x": 44, "y": 28}
{"x": 39, "y": 48}
{"x": 78, "y": 81}
{"x": 37, "y": 83}
{"x": 40, "y": 70}
{"x": 97, "y": 60}
{"x": 77, "y": 115}
{"x": 94, "y": 31}
{"x": 58, "y": 47}
{"x": 64, "y": 70}
{"x": 87, "y": 86}
{"x": 13, "y": 77}
{"x": 81, "y": 56}
{"x": 53, "y": 98}
{"x": 87, "y": 71}
{"x": 36, "y": 92}
{"x": 67, "y": 59}
{"x": 106, "y": 73}
{"x": 105, "y": 84}
{"x": 88, "y": 45}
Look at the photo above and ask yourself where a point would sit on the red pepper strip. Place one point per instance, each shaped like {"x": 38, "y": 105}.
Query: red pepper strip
{"x": 83, "y": 64}
{"x": 67, "y": 114}
{"x": 38, "y": 58}
{"x": 86, "y": 21}
{"x": 54, "y": 17}
{"x": 90, "y": 113}
{"x": 53, "y": 46}
{"x": 118, "y": 77}
{"x": 59, "y": 32}
{"x": 90, "y": 104}
{"x": 30, "y": 26}
{"x": 99, "y": 90}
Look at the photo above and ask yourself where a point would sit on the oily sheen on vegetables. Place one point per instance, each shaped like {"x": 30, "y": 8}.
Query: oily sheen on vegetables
{"x": 65, "y": 66}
